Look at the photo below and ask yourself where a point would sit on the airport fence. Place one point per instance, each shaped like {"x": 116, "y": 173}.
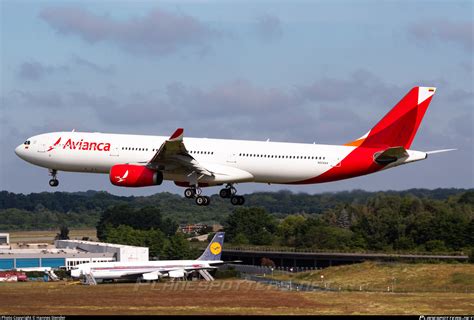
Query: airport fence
{"x": 266, "y": 270}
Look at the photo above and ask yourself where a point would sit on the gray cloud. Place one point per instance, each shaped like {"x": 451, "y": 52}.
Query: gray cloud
{"x": 268, "y": 28}
{"x": 460, "y": 95}
{"x": 240, "y": 96}
{"x": 36, "y": 71}
{"x": 157, "y": 33}
{"x": 462, "y": 127}
{"x": 33, "y": 99}
{"x": 106, "y": 70}
{"x": 360, "y": 86}
{"x": 330, "y": 110}
{"x": 461, "y": 33}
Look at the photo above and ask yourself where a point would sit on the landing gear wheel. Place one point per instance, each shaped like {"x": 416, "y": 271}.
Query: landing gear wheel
{"x": 234, "y": 200}
{"x": 225, "y": 193}
{"x": 237, "y": 200}
{"x": 53, "y": 182}
{"x": 189, "y": 193}
{"x": 228, "y": 192}
{"x": 202, "y": 200}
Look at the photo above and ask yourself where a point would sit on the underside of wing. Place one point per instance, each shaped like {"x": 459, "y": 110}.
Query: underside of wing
{"x": 172, "y": 157}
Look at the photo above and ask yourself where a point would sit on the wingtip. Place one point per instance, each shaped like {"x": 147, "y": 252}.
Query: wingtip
{"x": 177, "y": 134}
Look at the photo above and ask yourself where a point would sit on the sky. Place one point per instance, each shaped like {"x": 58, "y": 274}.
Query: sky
{"x": 294, "y": 71}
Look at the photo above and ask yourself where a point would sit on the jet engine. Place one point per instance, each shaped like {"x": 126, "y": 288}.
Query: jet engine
{"x": 129, "y": 175}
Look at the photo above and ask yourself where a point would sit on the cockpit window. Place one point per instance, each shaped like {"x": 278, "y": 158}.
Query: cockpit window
{"x": 27, "y": 142}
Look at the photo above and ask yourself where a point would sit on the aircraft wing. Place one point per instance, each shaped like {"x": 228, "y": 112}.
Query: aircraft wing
{"x": 172, "y": 272}
{"x": 173, "y": 157}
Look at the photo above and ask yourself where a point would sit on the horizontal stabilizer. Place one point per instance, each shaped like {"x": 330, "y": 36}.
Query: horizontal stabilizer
{"x": 439, "y": 151}
{"x": 390, "y": 155}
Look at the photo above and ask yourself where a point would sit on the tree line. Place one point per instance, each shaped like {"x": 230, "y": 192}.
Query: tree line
{"x": 50, "y": 210}
{"x": 384, "y": 222}
{"x": 438, "y": 220}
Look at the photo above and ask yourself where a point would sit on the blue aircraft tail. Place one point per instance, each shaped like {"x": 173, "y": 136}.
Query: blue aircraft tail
{"x": 214, "y": 249}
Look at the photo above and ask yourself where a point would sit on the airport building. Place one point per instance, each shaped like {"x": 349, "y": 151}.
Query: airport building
{"x": 4, "y": 240}
{"x": 65, "y": 253}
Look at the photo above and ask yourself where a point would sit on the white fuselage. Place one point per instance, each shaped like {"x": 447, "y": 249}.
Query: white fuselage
{"x": 116, "y": 270}
{"x": 252, "y": 161}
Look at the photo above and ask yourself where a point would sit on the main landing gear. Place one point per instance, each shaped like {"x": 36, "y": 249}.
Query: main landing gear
{"x": 230, "y": 192}
{"x": 53, "y": 182}
{"x": 195, "y": 193}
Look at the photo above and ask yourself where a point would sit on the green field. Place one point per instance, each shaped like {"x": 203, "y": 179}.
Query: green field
{"x": 48, "y": 235}
{"x": 397, "y": 277}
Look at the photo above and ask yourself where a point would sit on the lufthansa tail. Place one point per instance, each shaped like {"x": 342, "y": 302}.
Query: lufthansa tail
{"x": 398, "y": 128}
{"x": 214, "y": 249}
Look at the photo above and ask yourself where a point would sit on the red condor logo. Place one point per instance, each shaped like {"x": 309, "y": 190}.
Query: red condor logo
{"x": 82, "y": 145}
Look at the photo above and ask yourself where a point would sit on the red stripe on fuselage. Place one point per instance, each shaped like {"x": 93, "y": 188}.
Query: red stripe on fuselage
{"x": 357, "y": 163}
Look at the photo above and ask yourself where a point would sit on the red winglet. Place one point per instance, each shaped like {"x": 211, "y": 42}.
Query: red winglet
{"x": 177, "y": 134}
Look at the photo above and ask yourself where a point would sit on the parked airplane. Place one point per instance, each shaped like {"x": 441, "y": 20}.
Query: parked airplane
{"x": 153, "y": 270}
{"x": 140, "y": 161}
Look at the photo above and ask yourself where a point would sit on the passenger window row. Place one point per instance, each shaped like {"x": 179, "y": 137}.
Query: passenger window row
{"x": 136, "y": 149}
{"x": 280, "y": 156}
{"x": 201, "y": 152}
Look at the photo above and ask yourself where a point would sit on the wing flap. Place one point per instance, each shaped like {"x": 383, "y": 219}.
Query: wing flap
{"x": 173, "y": 156}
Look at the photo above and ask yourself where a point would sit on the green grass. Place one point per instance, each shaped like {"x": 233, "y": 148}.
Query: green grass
{"x": 401, "y": 277}
{"x": 48, "y": 235}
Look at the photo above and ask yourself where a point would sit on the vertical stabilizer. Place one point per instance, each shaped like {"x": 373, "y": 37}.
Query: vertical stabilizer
{"x": 214, "y": 249}
{"x": 399, "y": 126}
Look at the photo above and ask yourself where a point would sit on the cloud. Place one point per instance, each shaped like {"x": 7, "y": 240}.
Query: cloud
{"x": 32, "y": 99}
{"x": 301, "y": 113}
{"x": 107, "y": 70}
{"x": 35, "y": 71}
{"x": 240, "y": 96}
{"x": 460, "y": 95}
{"x": 268, "y": 28}
{"x": 461, "y": 33}
{"x": 361, "y": 86}
{"x": 157, "y": 33}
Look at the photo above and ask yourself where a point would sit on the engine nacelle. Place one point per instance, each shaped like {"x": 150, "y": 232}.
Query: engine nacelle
{"x": 176, "y": 273}
{"x": 129, "y": 175}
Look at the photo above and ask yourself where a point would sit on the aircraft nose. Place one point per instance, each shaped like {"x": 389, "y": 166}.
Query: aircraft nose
{"x": 19, "y": 150}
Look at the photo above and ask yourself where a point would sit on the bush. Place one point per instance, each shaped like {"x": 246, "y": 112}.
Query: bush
{"x": 225, "y": 274}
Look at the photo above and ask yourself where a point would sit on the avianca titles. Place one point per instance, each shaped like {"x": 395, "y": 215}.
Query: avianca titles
{"x": 193, "y": 163}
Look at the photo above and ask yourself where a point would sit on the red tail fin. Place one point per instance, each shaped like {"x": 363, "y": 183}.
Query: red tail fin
{"x": 398, "y": 128}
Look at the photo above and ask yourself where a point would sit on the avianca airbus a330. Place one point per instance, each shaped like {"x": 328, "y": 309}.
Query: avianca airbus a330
{"x": 140, "y": 161}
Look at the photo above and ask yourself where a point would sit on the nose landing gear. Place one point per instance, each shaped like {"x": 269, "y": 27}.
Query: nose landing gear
{"x": 54, "y": 182}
